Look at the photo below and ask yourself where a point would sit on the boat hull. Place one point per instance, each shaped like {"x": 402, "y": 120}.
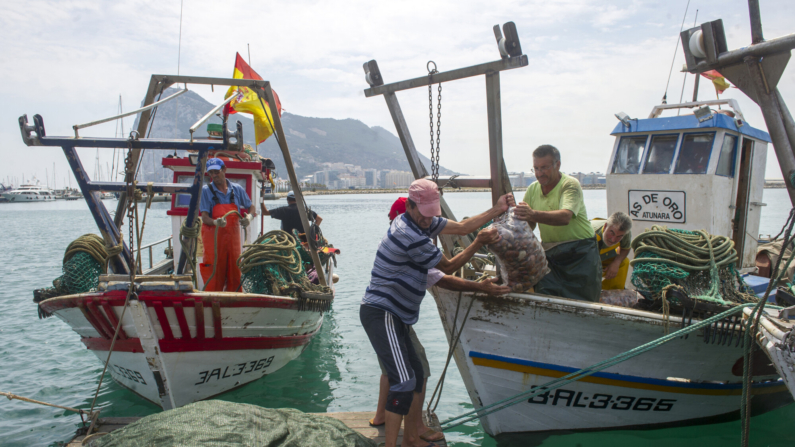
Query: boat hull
{"x": 512, "y": 344}
{"x": 239, "y": 338}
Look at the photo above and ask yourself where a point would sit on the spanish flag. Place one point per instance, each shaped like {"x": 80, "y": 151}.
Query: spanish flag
{"x": 247, "y": 101}
{"x": 721, "y": 84}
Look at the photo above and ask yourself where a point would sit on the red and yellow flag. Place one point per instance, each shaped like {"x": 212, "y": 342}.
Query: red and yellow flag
{"x": 721, "y": 84}
{"x": 247, "y": 101}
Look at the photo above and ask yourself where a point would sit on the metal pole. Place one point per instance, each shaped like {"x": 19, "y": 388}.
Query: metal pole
{"x": 789, "y": 124}
{"x": 155, "y": 84}
{"x": 768, "y": 103}
{"x": 756, "y": 22}
{"x": 193, "y": 208}
{"x": 299, "y": 196}
{"x": 109, "y": 232}
{"x": 134, "y": 112}
{"x": 417, "y": 168}
{"x": 695, "y": 88}
{"x": 500, "y": 183}
{"x": 208, "y": 116}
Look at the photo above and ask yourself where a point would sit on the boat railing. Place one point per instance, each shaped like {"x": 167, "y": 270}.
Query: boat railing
{"x": 153, "y": 244}
{"x": 658, "y": 109}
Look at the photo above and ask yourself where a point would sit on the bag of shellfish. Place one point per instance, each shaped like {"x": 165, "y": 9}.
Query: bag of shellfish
{"x": 519, "y": 253}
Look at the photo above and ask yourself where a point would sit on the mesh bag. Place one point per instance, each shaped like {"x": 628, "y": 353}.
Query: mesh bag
{"x": 218, "y": 423}
{"x": 519, "y": 254}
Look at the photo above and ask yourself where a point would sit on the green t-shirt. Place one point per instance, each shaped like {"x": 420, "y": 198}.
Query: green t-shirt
{"x": 566, "y": 195}
{"x": 624, "y": 243}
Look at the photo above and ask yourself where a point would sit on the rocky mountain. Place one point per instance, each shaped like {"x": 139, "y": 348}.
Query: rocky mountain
{"x": 312, "y": 141}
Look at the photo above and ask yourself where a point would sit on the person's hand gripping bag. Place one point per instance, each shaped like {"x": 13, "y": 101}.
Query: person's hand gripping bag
{"x": 519, "y": 253}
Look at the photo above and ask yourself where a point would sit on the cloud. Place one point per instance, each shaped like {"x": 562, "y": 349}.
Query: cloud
{"x": 70, "y": 61}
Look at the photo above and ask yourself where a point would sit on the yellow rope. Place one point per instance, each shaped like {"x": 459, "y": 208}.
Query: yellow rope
{"x": 12, "y": 396}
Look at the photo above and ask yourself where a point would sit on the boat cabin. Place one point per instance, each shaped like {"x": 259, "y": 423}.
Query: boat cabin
{"x": 244, "y": 168}
{"x": 702, "y": 171}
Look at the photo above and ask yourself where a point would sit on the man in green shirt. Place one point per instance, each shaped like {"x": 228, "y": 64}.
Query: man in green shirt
{"x": 555, "y": 203}
{"x": 614, "y": 238}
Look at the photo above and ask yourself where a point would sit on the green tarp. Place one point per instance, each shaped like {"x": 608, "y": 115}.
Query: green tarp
{"x": 216, "y": 423}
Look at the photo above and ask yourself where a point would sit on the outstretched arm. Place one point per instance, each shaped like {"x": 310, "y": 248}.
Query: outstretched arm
{"x": 485, "y": 237}
{"x": 457, "y": 284}
{"x": 557, "y": 218}
{"x": 473, "y": 223}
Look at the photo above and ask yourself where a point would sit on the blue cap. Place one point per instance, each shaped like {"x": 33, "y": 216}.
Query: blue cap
{"x": 214, "y": 164}
{"x": 291, "y": 195}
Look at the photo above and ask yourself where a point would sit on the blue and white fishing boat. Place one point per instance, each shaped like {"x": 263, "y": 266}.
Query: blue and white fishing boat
{"x": 702, "y": 170}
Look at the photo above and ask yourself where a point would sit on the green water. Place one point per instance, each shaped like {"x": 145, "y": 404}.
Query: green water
{"x": 45, "y": 360}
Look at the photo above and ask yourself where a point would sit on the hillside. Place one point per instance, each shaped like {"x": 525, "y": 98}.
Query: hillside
{"x": 312, "y": 141}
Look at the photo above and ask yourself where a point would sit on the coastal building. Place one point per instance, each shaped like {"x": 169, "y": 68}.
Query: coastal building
{"x": 398, "y": 179}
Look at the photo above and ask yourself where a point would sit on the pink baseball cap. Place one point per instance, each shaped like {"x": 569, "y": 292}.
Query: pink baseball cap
{"x": 425, "y": 194}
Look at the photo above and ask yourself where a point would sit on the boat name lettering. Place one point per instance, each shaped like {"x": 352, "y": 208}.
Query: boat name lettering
{"x": 657, "y": 206}
{"x": 602, "y": 401}
{"x": 129, "y": 374}
{"x": 234, "y": 370}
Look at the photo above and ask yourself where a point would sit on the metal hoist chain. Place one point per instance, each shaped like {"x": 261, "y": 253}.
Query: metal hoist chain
{"x": 434, "y": 151}
{"x": 131, "y": 205}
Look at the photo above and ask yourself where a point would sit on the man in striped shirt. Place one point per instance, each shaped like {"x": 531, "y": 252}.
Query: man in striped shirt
{"x": 397, "y": 286}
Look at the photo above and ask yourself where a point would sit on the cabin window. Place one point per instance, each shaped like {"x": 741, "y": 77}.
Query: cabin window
{"x": 661, "y": 154}
{"x": 694, "y": 154}
{"x": 629, "y": 154}
{"x": 728, "y": 152}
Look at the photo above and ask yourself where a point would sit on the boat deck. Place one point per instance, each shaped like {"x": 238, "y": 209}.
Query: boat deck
{"x": 357, "y": 420}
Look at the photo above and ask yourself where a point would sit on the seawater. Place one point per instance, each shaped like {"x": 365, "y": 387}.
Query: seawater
{"x": 45, "y": 360}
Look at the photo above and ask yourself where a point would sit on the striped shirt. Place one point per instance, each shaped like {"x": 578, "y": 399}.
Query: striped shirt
{"x": 400, "y": 272}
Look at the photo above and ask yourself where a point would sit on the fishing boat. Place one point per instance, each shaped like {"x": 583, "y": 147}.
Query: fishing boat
{"x": 699, "y": 171}
{"x": 175, "y": 343}
{"x": 29, "y": 193}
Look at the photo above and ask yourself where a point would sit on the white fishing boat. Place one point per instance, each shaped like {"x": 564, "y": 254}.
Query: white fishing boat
{"x": 776, "y": 336}
{"x": 176, "y": 343}
{"x": 697, "y": 171}
{"x": 29, "y": 193}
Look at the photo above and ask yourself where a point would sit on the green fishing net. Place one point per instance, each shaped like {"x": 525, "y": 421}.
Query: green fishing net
{"x": 218, "y": 423}
{"x": 699, "y": 264}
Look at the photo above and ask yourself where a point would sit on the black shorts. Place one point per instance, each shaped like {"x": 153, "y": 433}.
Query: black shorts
{"x": 390, "y": 339}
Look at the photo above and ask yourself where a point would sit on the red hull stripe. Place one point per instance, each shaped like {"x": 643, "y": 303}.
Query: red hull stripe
{"x": 116, "y": 298}
{"x": 183, "y": 323}
{"x": 165, "y": 326}
{"x": 211, "y": 344}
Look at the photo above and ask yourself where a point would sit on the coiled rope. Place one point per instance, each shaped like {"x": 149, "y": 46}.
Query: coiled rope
{"x": 665, "y": 256}
{"x": 274, "y": 247}
{"x": 91, "y": 244}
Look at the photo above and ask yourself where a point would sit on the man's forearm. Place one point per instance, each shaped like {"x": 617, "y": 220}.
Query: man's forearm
{"x": 452, "y": 265}
{"x": 253, "y": 209}
{"x": 207, "y": 220}
{"x": 473, "y": 223}
{"x": 557, "y": 218}
{"x": 457, "y": 284}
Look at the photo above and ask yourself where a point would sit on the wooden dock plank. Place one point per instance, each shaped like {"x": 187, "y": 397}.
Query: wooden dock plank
{"x": 356, "y": 420}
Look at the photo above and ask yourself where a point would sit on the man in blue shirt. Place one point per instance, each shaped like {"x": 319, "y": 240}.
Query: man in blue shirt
{"x": 221, "y": 201}
{"x": 398, "y": 281}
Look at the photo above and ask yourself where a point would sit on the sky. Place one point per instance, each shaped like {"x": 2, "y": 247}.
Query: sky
{"x": 71, "y": 60}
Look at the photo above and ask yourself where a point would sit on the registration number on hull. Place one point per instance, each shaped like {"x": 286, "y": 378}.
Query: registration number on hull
{"x": 577, "y": 399}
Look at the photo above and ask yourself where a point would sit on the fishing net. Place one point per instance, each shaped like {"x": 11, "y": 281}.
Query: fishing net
{"x": 273, "y": 265}
{"x": 698, "y": 263}
{"x": 217, "y": 423}
{"x": 84, "y": 260}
